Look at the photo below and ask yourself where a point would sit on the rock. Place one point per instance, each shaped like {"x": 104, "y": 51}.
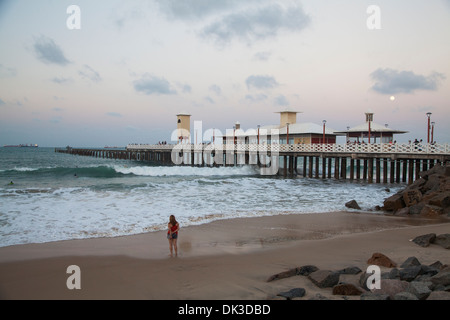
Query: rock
{"x": 439, "y": 295}
{"x": 429, "y": 270}
{"x": 282, "y": 275}
{"x": 405, "y": 296}
{"x": 380, "y": 259}
{"x": 353, "y": 205}
{"x": 438, "y": 265}
{"x": 318, "y": 296}
{"x": 402, "y": 212}
{"x": 306, "y": 270}
{"x": 411, "y": 261}
{"x": 430, "y": 211}
{"x": 412, "y": 197}
{"x": 442, "y": 278}
{"x": 443, "y": 240}
{"x": 441, "y": 200}
{"x": 347, "y": 289}
{"x": 302, "y": 271}
{"x": 425, "y": 240}
{"x": 293, "y": 293}
{"x": 374, "y": 296}
{"x": 410, "y": 273}
{"x": 324, "y": 278}
{"x": 393, "y": 274}
{"x": 350, "y": 270}
{"x": 417, "y": 208}
{"x": 391, "y": 287}
{"x": 394, "y": 203}
{"x": 419, "y": 289}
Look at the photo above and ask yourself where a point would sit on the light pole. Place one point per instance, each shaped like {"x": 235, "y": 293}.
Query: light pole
{"x": 432, "y": 131}
{"x": 428, "y": 131}
{"x": 287, "y": 133}
{"x": 324, "y": 123}
{"x": 258, "y": 133}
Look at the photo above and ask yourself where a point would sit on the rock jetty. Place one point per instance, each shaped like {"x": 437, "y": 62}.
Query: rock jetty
{"x": 428, "y": 196}
{"x": 412, "y": 280}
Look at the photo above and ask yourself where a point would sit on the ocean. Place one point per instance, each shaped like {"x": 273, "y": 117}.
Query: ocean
{"x": 58, "y": 196}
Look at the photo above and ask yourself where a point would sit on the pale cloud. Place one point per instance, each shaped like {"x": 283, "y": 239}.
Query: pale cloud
{"x": 7, "y": 72}
{"x": 150, "y": 84}
{"x": 216, "y": 89}
{"x": 281, "y": 100}
{"x": 389, "y": 81}
{"x": 254, "y": 24}
{"x": 88, "y": 73}
{"x": 47, "y": 51}
{"x": 261, "y": 82}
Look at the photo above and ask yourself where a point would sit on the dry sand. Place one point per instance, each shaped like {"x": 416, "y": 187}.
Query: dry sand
{"x": 227, "y": 259}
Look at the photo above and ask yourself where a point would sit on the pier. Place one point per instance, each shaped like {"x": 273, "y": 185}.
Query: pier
{"x": 374, "y": 163}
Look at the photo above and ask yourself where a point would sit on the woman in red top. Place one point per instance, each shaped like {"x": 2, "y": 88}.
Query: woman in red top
{"x": 172, "y": 234}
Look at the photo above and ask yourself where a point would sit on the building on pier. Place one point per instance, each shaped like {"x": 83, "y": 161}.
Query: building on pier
{"x": 370, "y": 132}
{"x": 289, "y": 132}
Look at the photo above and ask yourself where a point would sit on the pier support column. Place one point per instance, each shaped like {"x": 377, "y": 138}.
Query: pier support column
{"x": 378, "y": 170}
{"x": 352, "y": 169}
{"x": 370, "y": 172}
{"x": 310, "y": 173}
{"x": 324, "y": 168}
{"x": 336, "y": 168}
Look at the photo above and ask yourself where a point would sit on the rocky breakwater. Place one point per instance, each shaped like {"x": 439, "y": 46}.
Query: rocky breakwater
{"x": 428, "y": 196}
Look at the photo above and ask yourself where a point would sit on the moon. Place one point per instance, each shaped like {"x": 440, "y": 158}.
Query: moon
{"x": 392, "y": 98}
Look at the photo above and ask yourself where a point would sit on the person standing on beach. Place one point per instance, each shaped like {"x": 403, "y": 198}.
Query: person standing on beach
{"x": 172, "y": 234}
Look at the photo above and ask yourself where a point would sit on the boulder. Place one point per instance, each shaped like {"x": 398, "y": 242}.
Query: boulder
{"x": 417, "y": 208}
{"x": 411, "y": 261}
{"x": 394, "y": 203}
{"x": 391, "y": 287}
{"x": 353, "y": 205}
{"x": 441, "y": 200}
{"x": 347, "y": 289}
{"x": 350, "y": 270}
{"x": 374, "y": 296}
{"x": 306, "y": 270}
{"x": 324, "y": 278}
{"x": 405, "y": 296}
{"x": 293, "y": 293}
{"x": 442, "y": 278}
{"x": 439, "y": 295}
{"x": 443, "y": 240}
{"x": 302, "y": 271}
{"x": 430, "y": 211}
{"x": 420, "y": 289}
{"x": 380, "y": 259}
{"x": 410, "y": 273}
{"x": 425, "y": 240}
{"x": 412, "y": 197}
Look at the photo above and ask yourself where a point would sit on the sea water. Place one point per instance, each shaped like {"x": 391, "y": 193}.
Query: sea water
{"x": 58, "y": 196}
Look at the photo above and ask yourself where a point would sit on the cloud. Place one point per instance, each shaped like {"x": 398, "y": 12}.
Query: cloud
{"x": 256, "y": 98}
{"x": 61, "y": 80}
{"x": 216, "y": 89}
{"x": 150, "y": 84}
{"x": 88, "y": 73}
{"x": 261, "y": 82}
{"x": 254, "y": 24}
{"x": 209, "y": 99}
{"x": 389, "y": 81}
{"x": 49, "y": 52}
{"x": 262, "y": 56}
{"x": 281, "y": 101}
{"x": 7, "y": 72}
{"x": 192, "y": 10}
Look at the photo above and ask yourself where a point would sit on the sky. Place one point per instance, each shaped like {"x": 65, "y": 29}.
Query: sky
{"x": 110, "y": 73}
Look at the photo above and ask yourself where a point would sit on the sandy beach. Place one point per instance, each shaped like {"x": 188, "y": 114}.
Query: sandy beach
{"x": 226, "y": 259}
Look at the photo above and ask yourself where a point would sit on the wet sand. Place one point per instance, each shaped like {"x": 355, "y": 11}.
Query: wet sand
{"x": 226, "y": 259}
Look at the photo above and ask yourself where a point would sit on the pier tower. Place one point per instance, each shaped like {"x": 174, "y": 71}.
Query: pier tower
{"x": 184, "y": 127}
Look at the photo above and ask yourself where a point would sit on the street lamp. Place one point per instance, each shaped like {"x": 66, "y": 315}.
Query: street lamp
{"x": 287, "y": 133}
{"x": 432, "y": 131}
{"x": 323, "y": 139}
{"x": 428, "y": 131}
{"x": 258, "y": 133}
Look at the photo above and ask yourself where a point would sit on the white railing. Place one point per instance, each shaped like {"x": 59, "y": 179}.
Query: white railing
{"x": 321, "y": 148}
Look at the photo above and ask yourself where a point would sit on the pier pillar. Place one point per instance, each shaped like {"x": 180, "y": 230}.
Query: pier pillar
{"x": 336, "y": 168}
{"x": 411, "y": 171}
{"x": 405, "y": 170}
{"x": 352, "y": 169}
{"x": 317, "y": 167}
{"x": 370, "y": 170}
{"x": 311, "y": 160}
{"x": 358, "y": 169}
{"x": 378, "y": 170}
{"x": 305, "y": 160}
{"x": 324, "y": 168}
{"x": 385, "y": 170}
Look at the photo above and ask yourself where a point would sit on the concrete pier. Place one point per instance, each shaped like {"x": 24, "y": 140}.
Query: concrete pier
{"x": 375, "y": 163}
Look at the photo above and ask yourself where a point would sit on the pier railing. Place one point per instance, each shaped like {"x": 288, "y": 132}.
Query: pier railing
{"x": 436, "y": 149}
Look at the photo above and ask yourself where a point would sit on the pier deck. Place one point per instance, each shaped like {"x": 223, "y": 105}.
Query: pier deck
{"x": 380, "y": 163}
